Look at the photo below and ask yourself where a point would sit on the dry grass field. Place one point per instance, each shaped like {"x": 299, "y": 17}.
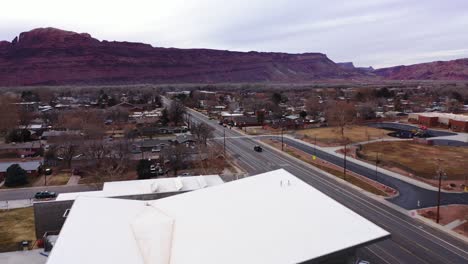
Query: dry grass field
{"x": 16, "y": 225}
{"x": 332, "y": 135}
{"x": 419, "y": 159}
{"x": 338, "y": 172}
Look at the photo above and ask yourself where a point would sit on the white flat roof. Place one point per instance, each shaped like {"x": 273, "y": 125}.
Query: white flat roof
{"x": 123, "y": 188}
{"x": 269, "y": 218}
{"x": 97, "y": 230}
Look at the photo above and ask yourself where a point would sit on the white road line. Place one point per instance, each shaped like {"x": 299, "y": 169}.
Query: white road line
{"x": 363, "y": 202}
{"x": 374, "y": 208}
{"x": 377, "y": 255}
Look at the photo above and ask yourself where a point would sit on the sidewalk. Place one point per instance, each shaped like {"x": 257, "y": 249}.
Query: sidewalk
{"x": 462, "y": 137}
{"x": 379, "y": 140}
{"x": 4, "y": 205}
{"x": 74, "y": 179}
{"x": 332, "y": 151}
{"x": 20, "y": 257}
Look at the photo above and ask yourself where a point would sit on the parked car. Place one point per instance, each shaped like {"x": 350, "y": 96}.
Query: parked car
{"x": 258, "y": 148}
{"x": 155, "y": 149}
{"x": 45, "y": 195}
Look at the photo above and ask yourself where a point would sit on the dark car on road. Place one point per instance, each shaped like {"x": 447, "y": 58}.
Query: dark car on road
{"x": 258, "y": 148}
{"x": 45, "y": 195}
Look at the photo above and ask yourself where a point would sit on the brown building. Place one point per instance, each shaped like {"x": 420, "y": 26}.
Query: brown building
{"x": 455, "y": 122}
{"x": 429, "y": 121}
{"x": 459, "y": 125}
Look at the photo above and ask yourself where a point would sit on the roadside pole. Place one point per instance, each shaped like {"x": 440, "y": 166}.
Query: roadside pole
{"x": 344, "y": 167}
{"x": 315, "y": 145}
{"x": 440, "y": 173}
{"x": 282, "y": 141}
{"x": 438, "y": 197}
{"x": 376, "y": 164}
{"x": 224, "y": 143}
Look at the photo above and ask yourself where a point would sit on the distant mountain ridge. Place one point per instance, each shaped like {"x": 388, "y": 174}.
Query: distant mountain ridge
{"x": 50, "y": 56}
{"x": 438, "y": 70}
{"x": 350, "y": 66}
{"x": 54, "y": 56}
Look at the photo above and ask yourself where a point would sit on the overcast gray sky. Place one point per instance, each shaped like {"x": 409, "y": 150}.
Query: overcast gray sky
{"x": 375, "y": 33}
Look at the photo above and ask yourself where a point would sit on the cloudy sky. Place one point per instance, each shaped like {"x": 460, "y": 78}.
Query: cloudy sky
{"x": 375, "y": 33}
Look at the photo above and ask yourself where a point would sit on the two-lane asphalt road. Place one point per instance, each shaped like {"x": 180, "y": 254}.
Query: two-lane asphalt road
{"x": 411, "y": 242}
{"x": 409, "y": 194}
{"x": 27, "y": 193}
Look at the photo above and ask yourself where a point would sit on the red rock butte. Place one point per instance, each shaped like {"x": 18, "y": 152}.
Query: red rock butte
{"x": 53, "y": 56}
{"x": 49, "y": 56}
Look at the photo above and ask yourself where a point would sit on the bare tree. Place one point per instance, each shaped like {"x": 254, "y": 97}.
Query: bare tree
{"x": 366, "y": 111}
{"x": 46, "y": 95}
{"x": 8, "y": 114}
{"x": 340, "y": 114}
{"x": 176, "y": 112}
{"x": 454, "y": 106}
{"x": 90, "y": 121}
{"x": 118, "y": 114}
{"x": 314, "y": 107}
{"x": 24, "y": 117}
{"x": 110, "y": 162}
{"x": 67, "y": 150}
{"x": 202, "y": 132}
{"x": 176, "y": 156}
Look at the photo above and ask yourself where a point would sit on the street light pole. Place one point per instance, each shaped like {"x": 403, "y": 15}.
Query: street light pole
{"x": 224, "y": 142}
{"x": 438, "y": 198}
{"x": 376, "y": 164}
{"x": 344, "y": 167}
{"x": 282, "y": 141}
{"x": 315, "y": 145}
{"x": 440, "y": 172}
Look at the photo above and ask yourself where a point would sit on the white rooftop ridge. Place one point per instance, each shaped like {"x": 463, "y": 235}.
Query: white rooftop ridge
{"x": 135, "y": 187}
{"x": 457, "y": 117}
{"x": 269, "y": 218}
{"x": 153, "y": 232}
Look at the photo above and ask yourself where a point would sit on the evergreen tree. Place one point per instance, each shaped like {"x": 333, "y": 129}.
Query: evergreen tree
{"x": 15, "y": 176}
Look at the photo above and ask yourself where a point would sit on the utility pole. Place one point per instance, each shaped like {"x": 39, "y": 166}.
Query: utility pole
{"x": 344, "y": 167}
{"x": 440, "y": 173}
{"x": 376, "y": 164}
{"x": 315, "y": 145}
{"x": 466, "y": 186}
{"x": 189, "y": 125}
{"x": 224, "y": 143}
{"x": 282, "y": 141}
{"x": 438, "y": 197}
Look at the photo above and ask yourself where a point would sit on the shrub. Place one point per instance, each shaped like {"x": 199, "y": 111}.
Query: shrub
{"x": 143, "y": 169}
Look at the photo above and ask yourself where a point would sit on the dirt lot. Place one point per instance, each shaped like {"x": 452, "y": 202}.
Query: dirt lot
{"x": 259, "y": 130}
{"x": 331, "y": 136}
{"x": 449, "y": 214}
{"x": 420, "y": 161}
{"x": 16, "y": 225}
{"x": 355, "y": 179}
